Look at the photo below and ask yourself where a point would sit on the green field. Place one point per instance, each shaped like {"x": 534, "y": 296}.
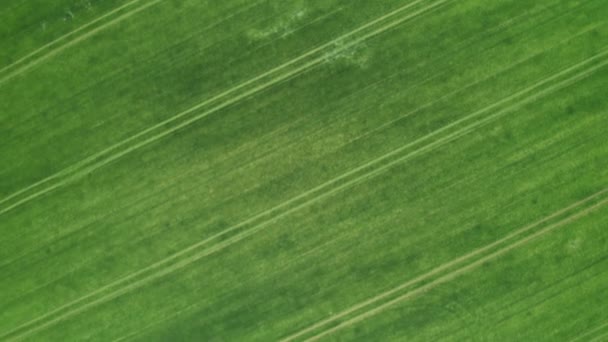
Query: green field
{"x": 304, "y": 170}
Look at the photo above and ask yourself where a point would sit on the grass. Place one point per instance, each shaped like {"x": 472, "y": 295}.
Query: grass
{"x": 303, "y": 170}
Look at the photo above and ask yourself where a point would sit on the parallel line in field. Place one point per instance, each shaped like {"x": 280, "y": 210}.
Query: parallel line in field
{"x": 590, "y": 332}
{"x": 456, "y": 273}
{"x": 155, "y": 193}
{"x": 461, "y": 89}
{"x": 412, "y": 112}
{"x": 165, "y": 318}
{"x": 76, "y": 40}
{"x": 177, "y": 116}
{"x": 257, "y": 227}
{"x": 241, "y": 149}
{"x": 529, "y": 300}
{"x": 73, "y": 171}
{"x": 442, "y": 268}
{"x": 472, "y": 84}
{"x": 603, "y": 337}
{"x": 446, "y": 266}
{"x": 422, "y": 278}
{"x": 194, "y": 306}
{"x": 118, "y": 75}
{"x": 67, "y": 35}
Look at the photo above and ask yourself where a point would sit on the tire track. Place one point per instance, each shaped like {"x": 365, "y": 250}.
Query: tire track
{"x": 462, "y": 89}
{"x": 91, "y": 158}
{"x": 67, "y": 35}
{"x": 75, "y": 41}
{"x": 602, "y": 337}
{"x": 454, "y": 274}
{"x": 151, "y": 325}
{"x": 130, "y": 282}
{"x": 73, "y": 170}
{"x": 442, "y": 268}
{"x": 590, "y": 332}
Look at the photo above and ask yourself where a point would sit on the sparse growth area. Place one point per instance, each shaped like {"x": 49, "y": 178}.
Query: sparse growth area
{"x": 303, "y": 170}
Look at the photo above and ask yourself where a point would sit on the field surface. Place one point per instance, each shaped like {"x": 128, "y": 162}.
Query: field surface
{"x": 304, "y": 170}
